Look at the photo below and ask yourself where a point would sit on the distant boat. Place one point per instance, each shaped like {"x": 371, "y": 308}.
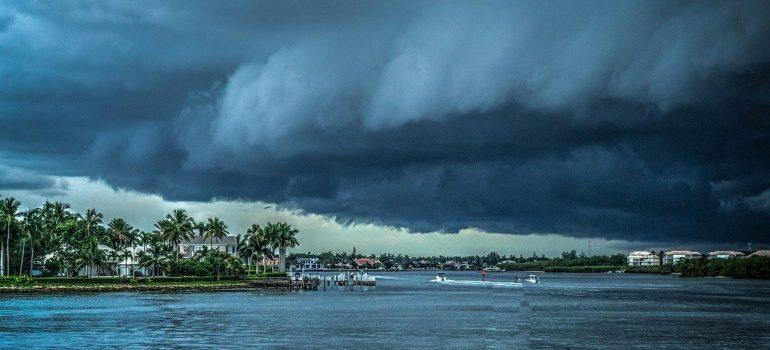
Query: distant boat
{"x": 493, "y": 269}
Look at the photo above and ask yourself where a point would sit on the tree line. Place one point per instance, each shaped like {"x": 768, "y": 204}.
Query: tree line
{"x": 390, "y": 260}
{"x": 73, "y": 241}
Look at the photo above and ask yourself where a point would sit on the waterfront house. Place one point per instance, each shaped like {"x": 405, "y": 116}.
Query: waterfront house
{"x": 423, "y": 264}
{"x": 367, "y": 263}
{"x": 451, "y": 265}
{"x": 675, "y": 256}
{"x": 227, "y": 244}
{"x": 643, "y": 258}
{"x": 308, "y": 264}
{"x": 725, "y": 254}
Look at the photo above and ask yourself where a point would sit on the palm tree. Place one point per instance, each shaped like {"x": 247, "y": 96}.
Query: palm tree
{"x": 270, "y": 232}
{"x": 177, "y": 227}
{"x": 282, "y": 236}
{"x": 120, "y": 233}
{"x": 9, "y": 209}
{"x": 145, "y": 238}
{"x": 214, "y": 228}
{"x": 31, "y": 229}
{"x": 91, "y": 233}
{"x": 35, "y": 237}
{"x": 257, "y": 243}
{"x": 154, "y": 256}
{"x": 54, "y": 217}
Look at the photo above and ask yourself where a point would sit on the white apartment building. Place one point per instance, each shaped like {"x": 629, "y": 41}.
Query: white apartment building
{"x": 725, "y": 254}
{"x": 642, "y": 258}
{"x": 308, "y": 264}
{"x": 675, "y": 256}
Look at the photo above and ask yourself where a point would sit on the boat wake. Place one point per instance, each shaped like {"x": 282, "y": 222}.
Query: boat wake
{"x": 388, "y": 277}
{"x": 480, "y": 283}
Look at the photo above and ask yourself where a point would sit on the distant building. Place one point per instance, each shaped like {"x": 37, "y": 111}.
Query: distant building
{"x": 643, "y": 258}
{"x": 308, "y": 264}
{"x": 675, "y": 256}
{"x": 725, "y": 254}
{"x": 451, "y": 265}
{"x": 760, "y": 253}
{"x": 422, "y": 264}
{"x": 366, "y": 262}
{"x": 227, "y": 244}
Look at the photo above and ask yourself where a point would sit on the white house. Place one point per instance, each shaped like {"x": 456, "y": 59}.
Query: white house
{"x": 675, "y": 256}
{"x": 227, "y": 244}
{"x": 308, "y": 264}
{"x": 643, "y": 258}
{"x": 725, "y": 254}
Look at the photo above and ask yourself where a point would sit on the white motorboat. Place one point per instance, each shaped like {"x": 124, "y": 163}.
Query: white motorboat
{"x": 440, "y": 277}
{"x": 532, "y": 279}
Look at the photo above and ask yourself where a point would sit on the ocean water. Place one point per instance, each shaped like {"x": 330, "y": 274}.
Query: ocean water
{"x": 406, "y": 310}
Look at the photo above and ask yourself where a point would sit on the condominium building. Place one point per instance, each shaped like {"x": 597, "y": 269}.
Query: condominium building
{"x": 642, "y": 258}
{"x": 675, "y": 256}
{"x": 725, "y": 254}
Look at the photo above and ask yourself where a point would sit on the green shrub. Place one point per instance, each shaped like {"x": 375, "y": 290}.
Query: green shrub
{"x": 583, "y": 269}
{"x": 209, "y": 263}
{"x": 124, "y": 280}
{"x": 272, "y": 274}
{"x": 757, "y": 267}
{"x": 658, "y": 270}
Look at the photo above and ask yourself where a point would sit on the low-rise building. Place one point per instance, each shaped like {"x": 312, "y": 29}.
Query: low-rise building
{"x": 308, "y": 264}
{"x": 725, "y": 254}
{"x": 451, "y": 265}
{"x": 675, "y": 256}
{"x": 367, "y": 263}
{"x": 227, "y": 244}
{"x": 643, "y": 258}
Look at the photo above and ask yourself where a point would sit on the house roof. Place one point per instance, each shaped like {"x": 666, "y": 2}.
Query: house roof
{"x": 682, "y": 252}
{"x": 227, "y": 240}
{"x": 725, "y": 252}
{"x": 760, "y": 253}
{"x": 641, "y": 253}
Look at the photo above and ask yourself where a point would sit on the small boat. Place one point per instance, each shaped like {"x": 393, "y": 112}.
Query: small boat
{"x": 532, "y": 279}
{"x": 441, "y": 277}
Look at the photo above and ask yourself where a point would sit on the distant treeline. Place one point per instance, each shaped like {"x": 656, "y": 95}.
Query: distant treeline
{"x": 509, "y": 262}
{"x": 753, "y": 268}
{"x": 570, "y": 262}
{"x": 756, "y": 267}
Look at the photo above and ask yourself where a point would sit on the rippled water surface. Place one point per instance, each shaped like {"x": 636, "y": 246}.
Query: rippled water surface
{"x": 405, "y": 310}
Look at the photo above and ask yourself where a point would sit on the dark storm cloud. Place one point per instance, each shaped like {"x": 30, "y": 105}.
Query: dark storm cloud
{"x": 19, "y": 179}
{"x": 630, "y": 120}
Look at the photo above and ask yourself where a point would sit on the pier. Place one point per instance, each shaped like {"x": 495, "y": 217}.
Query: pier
{"x": 313, "y": 282}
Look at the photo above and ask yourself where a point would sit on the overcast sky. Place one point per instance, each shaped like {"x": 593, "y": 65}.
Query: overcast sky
{"x": 443, "y": 127}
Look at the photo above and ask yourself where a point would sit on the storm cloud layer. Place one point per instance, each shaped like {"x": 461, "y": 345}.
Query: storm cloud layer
{"x": 623, "y": 120}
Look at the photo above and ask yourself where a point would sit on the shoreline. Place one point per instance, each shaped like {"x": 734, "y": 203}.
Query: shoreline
{"x": 127, "y": 288}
